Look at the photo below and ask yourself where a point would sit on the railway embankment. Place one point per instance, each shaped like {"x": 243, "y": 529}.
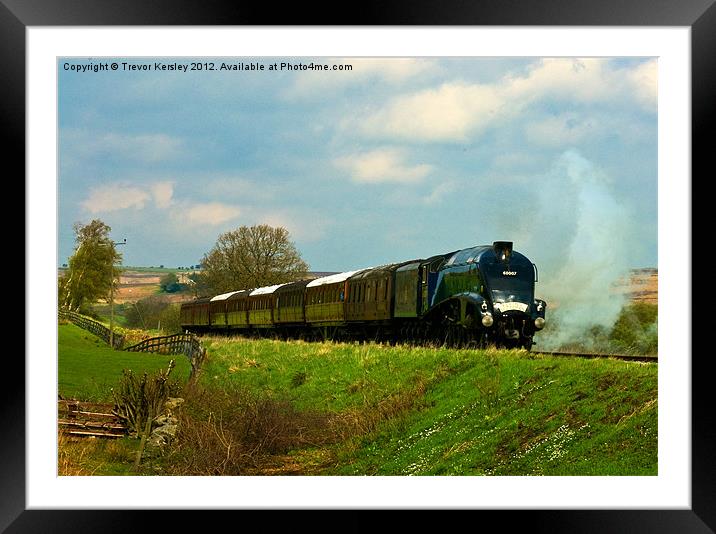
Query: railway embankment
{"x": 265, "y": 407}
{"x": 367, "y": 409}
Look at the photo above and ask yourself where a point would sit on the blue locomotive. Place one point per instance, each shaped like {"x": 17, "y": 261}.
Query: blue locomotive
{"x": 475, "y": 296}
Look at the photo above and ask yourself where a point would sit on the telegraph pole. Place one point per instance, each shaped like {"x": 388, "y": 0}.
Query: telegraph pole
{"x": 111, "y": 295}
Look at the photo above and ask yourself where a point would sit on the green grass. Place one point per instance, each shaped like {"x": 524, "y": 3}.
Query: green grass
{"x": 326, "y": 376}
{"x": 398, "y": 410}
{"x": 509, "y": 415}
{"x": 88, "y": 368}
{"x": 436, "y": 411}
{"x": 104, "y": 313}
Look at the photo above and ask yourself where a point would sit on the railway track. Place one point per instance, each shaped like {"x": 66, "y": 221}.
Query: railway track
{"x": 626, "y": 357}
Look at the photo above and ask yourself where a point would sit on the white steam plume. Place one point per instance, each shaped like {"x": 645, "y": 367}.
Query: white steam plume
{"x": 584, "y": 246}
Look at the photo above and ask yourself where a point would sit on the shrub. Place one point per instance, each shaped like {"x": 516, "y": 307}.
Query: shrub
{"x": 636, "y": 328}
{"x": 146, "y": 313}
{"x": 169, "y": 319}
{"x": 139, "y": 400}
{"x": 230, "y": 432}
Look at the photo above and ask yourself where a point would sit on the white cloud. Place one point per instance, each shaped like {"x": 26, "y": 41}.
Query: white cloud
{"x": 382, "y": 165}
{"x": 162, "y": 193}
{"x": 439, "y": 193}
{"x": 122, "y": 196}
{"x": 115, "y": 197}
{"x": 209, "y": 213}
{"x": 455, "y": 112}
{"x": 644, "y": 82}
{"x": 449, "y": 113}
{"x": 582, "y": 80}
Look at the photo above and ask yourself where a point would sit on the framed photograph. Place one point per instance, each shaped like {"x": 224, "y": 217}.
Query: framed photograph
{"x": 578, "y": 124}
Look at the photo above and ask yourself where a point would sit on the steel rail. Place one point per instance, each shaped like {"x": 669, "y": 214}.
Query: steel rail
{"x": 626, "y": 357}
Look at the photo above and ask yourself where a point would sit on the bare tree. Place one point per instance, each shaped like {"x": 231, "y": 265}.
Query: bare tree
{"x": 250, "y": 257}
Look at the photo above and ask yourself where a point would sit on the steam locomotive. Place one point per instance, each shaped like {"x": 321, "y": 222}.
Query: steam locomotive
{"x": 475, "y": 296}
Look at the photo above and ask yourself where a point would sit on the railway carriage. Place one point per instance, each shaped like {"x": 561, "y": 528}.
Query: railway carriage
{"x": 482, "y": 294}
{"x": 237, "y": 310}
{"x": 289, "y": 304}
{"x": 261, "y": 306}
{"x": 370, "y": 294}
{"x": 217, "y": 310}
{"x": 325, "y": 299}
{"x": 195, "y": 315}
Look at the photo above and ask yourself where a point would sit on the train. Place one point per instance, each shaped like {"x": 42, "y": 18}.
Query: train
{"x": 481, "y": 295}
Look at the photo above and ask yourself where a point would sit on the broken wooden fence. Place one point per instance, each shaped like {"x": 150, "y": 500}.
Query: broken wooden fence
{"x": 89, "y": 419}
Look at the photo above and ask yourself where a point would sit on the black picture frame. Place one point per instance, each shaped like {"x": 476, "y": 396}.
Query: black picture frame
{"x": 699, "y": 15}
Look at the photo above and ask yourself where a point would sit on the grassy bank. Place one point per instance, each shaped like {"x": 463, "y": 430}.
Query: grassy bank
{"x": 436, "y": 411}
{"x": 88, "y": 368}
{"x": 265, "y": 407}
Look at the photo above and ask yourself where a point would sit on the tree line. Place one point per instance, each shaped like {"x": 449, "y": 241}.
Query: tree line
{"x": 243, "y": 258}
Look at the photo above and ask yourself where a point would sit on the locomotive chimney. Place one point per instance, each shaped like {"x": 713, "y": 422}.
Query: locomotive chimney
{"x": 503, "y": 250}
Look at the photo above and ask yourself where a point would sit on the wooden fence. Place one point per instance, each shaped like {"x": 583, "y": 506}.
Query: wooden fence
{"x": 97, "y": 328}
{"x": 85, "y": 419}
{"x": 187, "y": 344}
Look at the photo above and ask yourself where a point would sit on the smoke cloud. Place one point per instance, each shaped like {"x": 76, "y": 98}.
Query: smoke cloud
{"x": 584, "y": 248}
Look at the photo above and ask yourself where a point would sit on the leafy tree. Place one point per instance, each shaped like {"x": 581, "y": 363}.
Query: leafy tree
{"x": 147, "y": 312}
{"x": 250, "y": 257}
{"x": 199, "y": 285}
{"x": 169, "y": 283}
{"x": 91, "y": 273}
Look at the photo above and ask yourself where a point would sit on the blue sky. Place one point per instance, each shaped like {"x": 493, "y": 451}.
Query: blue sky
{"x": 396, "y": 159}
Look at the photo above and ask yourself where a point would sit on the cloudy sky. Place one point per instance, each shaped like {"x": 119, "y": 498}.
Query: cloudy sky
{"x": 392, "y": 160}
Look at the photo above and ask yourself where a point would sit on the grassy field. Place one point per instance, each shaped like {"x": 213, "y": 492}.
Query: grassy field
{"x": 265, "y": 407}
{"x": 88, "y": 368}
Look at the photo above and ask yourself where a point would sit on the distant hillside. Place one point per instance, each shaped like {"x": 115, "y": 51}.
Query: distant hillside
{"x": 135, "y": 283}
{"x": 641, "y": 286}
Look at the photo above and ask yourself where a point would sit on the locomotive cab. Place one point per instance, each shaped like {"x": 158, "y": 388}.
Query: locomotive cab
{"x": 487, "y": 292}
